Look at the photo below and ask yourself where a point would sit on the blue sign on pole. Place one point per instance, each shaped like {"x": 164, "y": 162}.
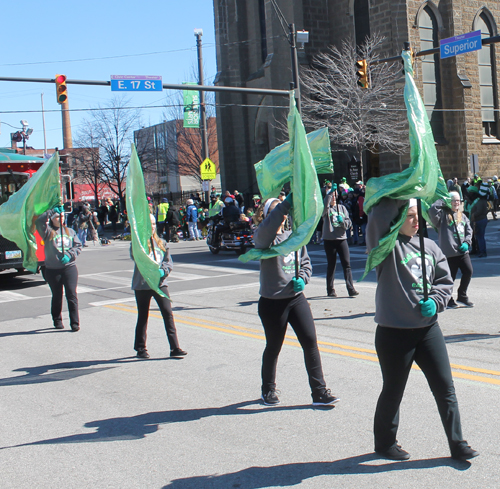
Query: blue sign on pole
{"x": 134, "y": 83}
{"x": 460, "y": 44}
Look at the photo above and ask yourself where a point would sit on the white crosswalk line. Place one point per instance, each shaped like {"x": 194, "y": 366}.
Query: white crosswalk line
{"x": 8, "y": 296}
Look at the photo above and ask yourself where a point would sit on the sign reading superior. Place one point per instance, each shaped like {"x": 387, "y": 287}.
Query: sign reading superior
{"x": 460, "y": 44}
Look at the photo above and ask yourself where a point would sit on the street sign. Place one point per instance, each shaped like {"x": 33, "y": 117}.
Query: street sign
{"x": 460, "y": 44}
{"x": 134, "y": 83}
{"x": 208, "y": 170}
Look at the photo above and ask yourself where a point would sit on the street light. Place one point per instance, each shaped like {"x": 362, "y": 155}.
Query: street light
{"x": 25, "y": 134}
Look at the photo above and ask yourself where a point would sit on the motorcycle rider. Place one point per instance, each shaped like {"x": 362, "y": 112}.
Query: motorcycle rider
{"x": 230, "y": 213}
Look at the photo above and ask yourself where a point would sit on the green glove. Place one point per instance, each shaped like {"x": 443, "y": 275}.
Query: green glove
{"x": 464, "y": 247}
{"x": 162, "y": 273}
{"x": 298, "y": 284}
{"x": 65, "y": 259}
{"x": 428, "y": 308}
{"x": 340, "y": 218}
{"x": 289, "y": 198}
{"x": 59, "y": 209}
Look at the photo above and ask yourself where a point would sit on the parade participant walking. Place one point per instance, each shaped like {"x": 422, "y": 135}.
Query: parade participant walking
{"x": 335, "y": 223}
{"x": 192, "y": 220}
{"x": 62, "y": 246}
{"x": 455, "y": 240}
{"x": 283, "y": 302}
{"x": 408, "y": 330}
{"x": 83, "y": 223}
{"x": 158, "y": 251}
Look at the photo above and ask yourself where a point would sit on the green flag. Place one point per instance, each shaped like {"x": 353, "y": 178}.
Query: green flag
{"x": 140, "y": 223}
{"x": 422, "y": 179}
{"x": 18, "y": 215}
{"x": 307, "y": 200}
{"x": 276, "y": 168}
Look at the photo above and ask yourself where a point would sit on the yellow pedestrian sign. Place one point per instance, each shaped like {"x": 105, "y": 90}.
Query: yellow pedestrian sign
{"x": 207, "y": 170}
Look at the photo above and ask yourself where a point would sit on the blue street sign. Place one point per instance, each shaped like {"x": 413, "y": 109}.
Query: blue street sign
{"x": 134, "y": 83}
{"x": 460, "y": 44}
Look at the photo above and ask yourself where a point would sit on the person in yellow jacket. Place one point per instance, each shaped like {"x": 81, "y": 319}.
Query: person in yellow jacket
{"x": 161, "y": 216}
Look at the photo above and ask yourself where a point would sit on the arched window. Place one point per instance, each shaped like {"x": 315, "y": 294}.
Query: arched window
{"x": 431, "y": 78}
{"x": 486, "y": 56}
{"x": 361, "y": 21}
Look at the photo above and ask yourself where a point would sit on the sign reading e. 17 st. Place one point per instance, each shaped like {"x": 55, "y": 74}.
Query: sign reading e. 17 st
{"x": 135, "y": 83}
{"x": 460, "y": 44}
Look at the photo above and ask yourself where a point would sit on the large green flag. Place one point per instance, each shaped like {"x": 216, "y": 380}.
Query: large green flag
{"x": 140, "y": 223}
{"x": 276, "y": 168}
{"x": 307, "y": 200}
{"x": 422, "y": 179}
{"x": 18, "y": 215}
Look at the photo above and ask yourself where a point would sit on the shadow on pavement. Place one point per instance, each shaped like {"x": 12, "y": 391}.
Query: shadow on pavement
{"x": 63, "y": 371}
{"x": 350, "y": 316}
{"x": 457, "y": 338}
{"x": 11, "y": 281}
{"x": 137, "y": 427}
{"x": 294, "y": 474}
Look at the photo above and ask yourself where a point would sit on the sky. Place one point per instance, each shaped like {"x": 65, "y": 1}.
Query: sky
{"x": 92, "y": 40}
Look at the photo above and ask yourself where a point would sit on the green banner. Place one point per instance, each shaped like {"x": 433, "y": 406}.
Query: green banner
{"x": 191, "y": 107}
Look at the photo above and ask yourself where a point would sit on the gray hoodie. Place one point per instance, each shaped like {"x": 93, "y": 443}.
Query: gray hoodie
{"x": 164, "y": 261}
{"x": 399, "y": 276}
{"x": 332, "y": 229}
{"x": 447, "y": 228}
{"x": 55, "y": 243}
{"x": 276, "y": 273}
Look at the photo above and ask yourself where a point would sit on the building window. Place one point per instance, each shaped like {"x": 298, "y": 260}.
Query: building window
{"x": 361, "y": 21}
{"x": 431, "y": 78}
{"x": 486, "y": 56}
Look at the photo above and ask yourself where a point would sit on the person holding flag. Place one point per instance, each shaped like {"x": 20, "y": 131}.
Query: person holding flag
{"x": 62, "y": 246}
{"x": 283, "y": 302}
{"x": 407, "y": 328}
{"x": 413, "y": 284}
{"x": 455, "y": 239}
{"x": 159, "y": 252}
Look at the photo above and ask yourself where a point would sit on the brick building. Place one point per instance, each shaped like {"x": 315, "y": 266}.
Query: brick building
{"x": 460, "y": 93}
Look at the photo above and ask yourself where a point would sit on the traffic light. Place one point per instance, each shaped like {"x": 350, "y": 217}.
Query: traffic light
{"x": 61, "y": 89}
{"x": 362, "y": 73}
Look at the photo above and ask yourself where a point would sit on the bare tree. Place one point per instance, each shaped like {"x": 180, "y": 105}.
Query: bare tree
{"x": 111, "y": 128}
{"x": 371, "y": 118}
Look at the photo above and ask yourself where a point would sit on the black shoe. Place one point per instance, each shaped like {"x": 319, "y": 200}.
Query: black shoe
{"x": 394, "y": 453}
{"x": 142, "y": 353}
{"x": 270, "y": 398}
{"x": 177, "y": 352}
{"x": 464, "y": 452}
{"x": 353, "y": 293}
{"x": 466, "y": 301}
{"x": 58, "y": 325}
{"x": 75, "y": 327}
{"x": 332, "y": 294}
{"x": 451, "y": 304}
{"x": 325, "y": 398}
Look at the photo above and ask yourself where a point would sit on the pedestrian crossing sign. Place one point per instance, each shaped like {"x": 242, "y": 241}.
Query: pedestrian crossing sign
{"x": 207, "y": 170}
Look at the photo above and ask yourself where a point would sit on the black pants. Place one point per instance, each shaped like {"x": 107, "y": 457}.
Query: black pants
{"x": 332, "y": 247}
{"x": 275, "y": 314}
{"x": 58, "y": 278}
{"x": 396, "y": 350}
{"x": 143, "y": 299}
{"x": 463, "y": 264}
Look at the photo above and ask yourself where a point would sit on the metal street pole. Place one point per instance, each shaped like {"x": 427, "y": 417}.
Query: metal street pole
{"x": 203, "y": 114}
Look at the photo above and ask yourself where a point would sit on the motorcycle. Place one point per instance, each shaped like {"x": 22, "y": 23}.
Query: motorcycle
{"x": 236, "y": 236}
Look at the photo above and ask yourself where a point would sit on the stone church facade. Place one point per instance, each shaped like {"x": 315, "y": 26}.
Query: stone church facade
{"x": 460, "y": 93}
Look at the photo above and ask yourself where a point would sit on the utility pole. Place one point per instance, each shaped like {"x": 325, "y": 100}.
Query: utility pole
{"x": 203, "y": 115}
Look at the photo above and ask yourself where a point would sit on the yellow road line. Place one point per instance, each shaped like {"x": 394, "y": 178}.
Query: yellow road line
{"x": 334, "y": 348}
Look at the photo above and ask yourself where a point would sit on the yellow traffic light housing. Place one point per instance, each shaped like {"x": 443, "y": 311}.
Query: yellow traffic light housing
{"x": 362, "y": 73}
{"x": 61, "y": 89}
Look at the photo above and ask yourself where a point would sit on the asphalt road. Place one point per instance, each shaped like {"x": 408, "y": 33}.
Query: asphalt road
{"x": 79, "y": 410}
